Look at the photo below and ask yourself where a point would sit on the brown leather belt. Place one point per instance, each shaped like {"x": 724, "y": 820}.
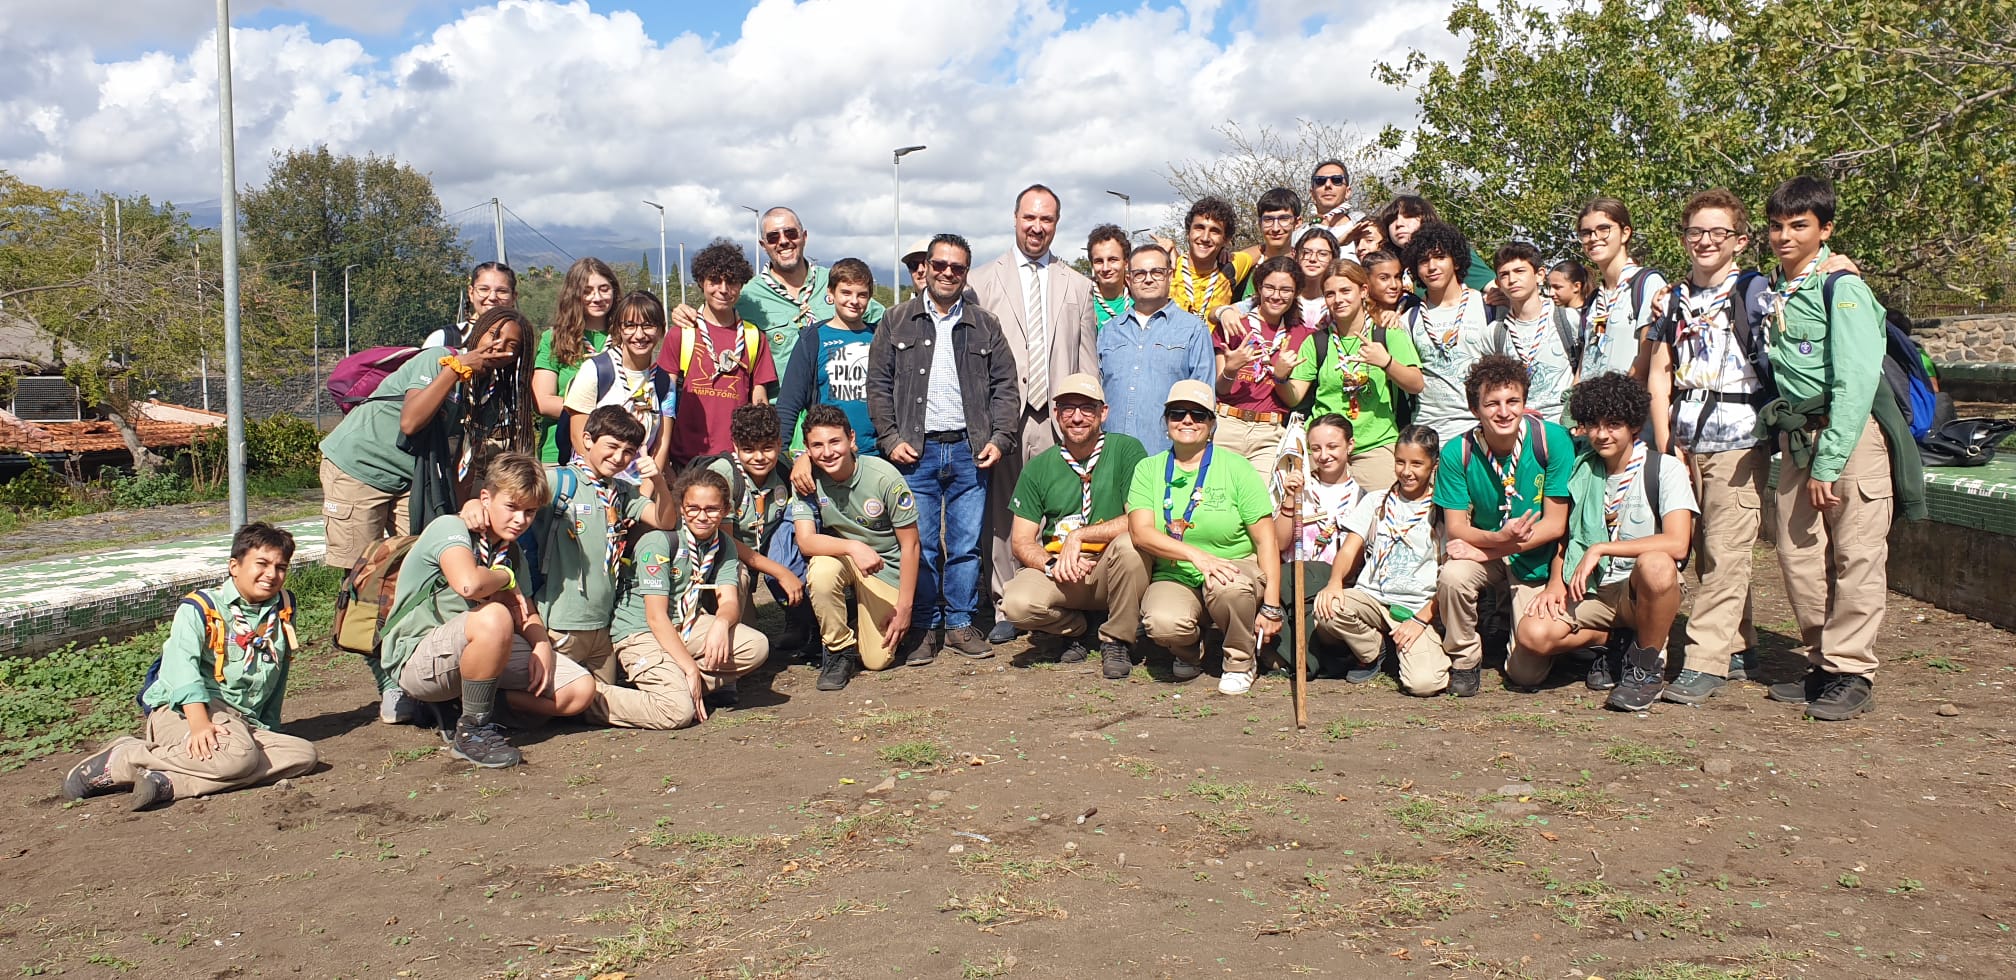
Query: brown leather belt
{"x": 1245, "y": 415}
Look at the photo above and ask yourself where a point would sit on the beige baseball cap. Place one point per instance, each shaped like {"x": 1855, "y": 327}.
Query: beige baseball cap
{"x": 1193, "y": 392}
{"x": 919, "y": 251}
{"x": 1080, "y": 384}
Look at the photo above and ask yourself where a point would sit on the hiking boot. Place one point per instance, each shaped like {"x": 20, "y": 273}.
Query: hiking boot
{"x": 395, "y": 708}
{"x": 1074, "y": 651}
{"x": 1692, "y": 687}
{"x": 1843, "y": 697}
{"x": 1466, "y": 683}
{"x": 150, "y": 789}
{"x": 923, "y": 650}
{"x": 1644, "y": 676}
{"x": 483, "y": 744}
{"x": 1360, "y": 673}
{"x": 1742, "y": 665}
{"x": 970, "y": 643}
{"x": 837, "y": 668}
{"x": 1802, "y": 691}
{"x": 1115, "y": 660}
{"x": 723, "y": 698}
{"x": 97, "y": 775}
{"x": 1003, "y": 632}
{"x": 1608, "y": 664}
{"x": 1235, "y": 682}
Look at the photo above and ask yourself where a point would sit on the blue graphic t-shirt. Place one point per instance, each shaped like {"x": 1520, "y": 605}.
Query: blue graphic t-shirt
{"x": 829, "y": 367}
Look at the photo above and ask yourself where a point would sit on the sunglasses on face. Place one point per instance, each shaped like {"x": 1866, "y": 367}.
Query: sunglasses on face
{"x": 941, "y": 265}
{"x": 1186, "y": 414}
{"x": 1334, "y": 180}
{"x": 781, "y": 235}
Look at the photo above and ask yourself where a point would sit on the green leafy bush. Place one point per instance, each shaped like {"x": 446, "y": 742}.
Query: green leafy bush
{"x": 36, "y": 487}
{"x": 155, "y": 490}
{"x": 282, "y": 442}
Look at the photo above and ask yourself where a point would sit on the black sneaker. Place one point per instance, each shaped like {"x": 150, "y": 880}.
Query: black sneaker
{"x": 1644, "y": 676}
{"x": 1360, "y": 673}
{"x": 837, "y": 668}
{"x": 150, "y": 789}
{"x": 483, "y": 744}
{"x": 94, "y": 776}
{"x": 922, "y": 648}
{"x": 799, "y": 627}
{"x": 1742, "y": 665}
{"x": 1466, "y": 683}
{"x": 1116, "y": 661}
{"x": 970, "y": 643}
{"x": 1843, "y": 697}
{"x": 1074, "y": 651}
{"x": 1608, "y": 664}
{"x": 1003, "y": 632}
{"x": 1693, "y": 687}
{"x": 723, "y": 698}
{"x": 1802, "y": 691}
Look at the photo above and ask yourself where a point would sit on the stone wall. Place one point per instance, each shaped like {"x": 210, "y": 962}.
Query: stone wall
{"x": 1984, "y": 337}
{"x": 263, "y": 398}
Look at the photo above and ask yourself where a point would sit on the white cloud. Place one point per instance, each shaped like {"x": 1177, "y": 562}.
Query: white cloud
{"x": 570, "y": 115}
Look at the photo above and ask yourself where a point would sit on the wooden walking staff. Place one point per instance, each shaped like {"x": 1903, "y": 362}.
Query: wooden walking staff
{"x": 1299, "y": 684}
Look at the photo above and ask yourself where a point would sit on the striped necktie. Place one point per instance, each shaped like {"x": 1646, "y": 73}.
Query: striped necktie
{"x": 1039, "y": 337}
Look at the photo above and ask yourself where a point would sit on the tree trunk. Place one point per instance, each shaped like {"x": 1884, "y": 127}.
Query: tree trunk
{"x": 144, "y": 460}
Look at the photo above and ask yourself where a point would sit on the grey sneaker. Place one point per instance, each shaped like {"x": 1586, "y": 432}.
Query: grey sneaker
{"x": 97, "y": 775}
{"x": 483, "y": 744}
{"x": 1802, "y": 691}
{"x": 395, "y": 708}
{"x": 1361, "y": 673}
{"x": 1003, "y": 632}
{"x": 1644, "y": 676}
{"x": 1742, "y": 665}
{"x": 1843, "y": 697}
{"x": 150, "y": 789}
{"x": 1466, "y": 683}
{"x": 1115, "y": 660}
{"x": 969, "y": 642}
{"x": 1693, "y": 687}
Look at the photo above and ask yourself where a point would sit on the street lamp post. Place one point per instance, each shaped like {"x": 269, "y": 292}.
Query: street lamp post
{"x": 661, "y": 249}
{"x": 346, "y": 307}
{"x": 759, "y": 234}
{"x": 896, "y": 280}
{"x": 1128, "y": 208}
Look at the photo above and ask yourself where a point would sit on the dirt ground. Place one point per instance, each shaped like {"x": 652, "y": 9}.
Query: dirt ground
{"x": 997, "y": 819}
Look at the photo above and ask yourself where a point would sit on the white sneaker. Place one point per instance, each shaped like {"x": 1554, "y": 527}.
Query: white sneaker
{"x": 1235, "y": 683}
{"x": 395, "y": 708}
{"x": 1184, "y": 670}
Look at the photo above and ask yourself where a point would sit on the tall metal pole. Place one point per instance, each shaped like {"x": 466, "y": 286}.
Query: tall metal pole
{"x": 234, "y": 361}
{"x": 315, "y": 316}
{"x": 202, "y": 348}
{"x": 346, "y": 308}
{"x": 896, "y": 272}
{"x": 682, "y": 273}
{"x": 497, "y": 212}
{"x": 760, "y": 254}
{"x": 1127, "y": 204}
{"x": 662, "y": 271}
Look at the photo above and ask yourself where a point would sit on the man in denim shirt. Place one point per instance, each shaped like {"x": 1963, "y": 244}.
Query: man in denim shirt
{"x": 1143, "y": 351}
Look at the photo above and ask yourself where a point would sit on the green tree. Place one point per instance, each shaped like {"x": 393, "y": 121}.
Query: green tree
{"x": 1905, "y": 104}
{"x": 1255, "y": 163}
{"x": 324, "y": 211}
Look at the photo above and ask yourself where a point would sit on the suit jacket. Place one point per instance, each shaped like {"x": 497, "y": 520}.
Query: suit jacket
{"x": 1073, "y": 320}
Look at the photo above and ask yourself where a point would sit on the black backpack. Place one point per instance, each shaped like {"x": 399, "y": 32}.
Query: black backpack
{"x": 1405, "y": 404}
{"x": 1637, "y": 286}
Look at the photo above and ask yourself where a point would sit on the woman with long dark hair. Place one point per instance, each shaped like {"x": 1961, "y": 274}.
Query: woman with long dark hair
{"x": 580, "y": 329}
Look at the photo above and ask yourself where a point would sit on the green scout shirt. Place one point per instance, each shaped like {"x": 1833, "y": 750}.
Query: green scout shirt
{"x": 421, "y": 570}
{"x": 577, "y": 592}
{"x": 868, "y": 508}
{"x": 1837, "y": 353}
{"x": 1234, "y": 499}
{"x": 655, "y": 570}
{"x": 1477, "y": 490}
{"x": 750, "y": 522}
{"x": 543, "y": 360}
{"x": 253, "y": 686}
{"x": 1049, "y": 489}
{"x": 366, "y": 443}
{"x": 1373, "y": 422}
{"x": 781, "y": 318}
{"x": 1638, "y": 517}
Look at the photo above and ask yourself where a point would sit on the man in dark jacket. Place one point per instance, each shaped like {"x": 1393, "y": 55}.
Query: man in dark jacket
{"x": 943, "y": 396}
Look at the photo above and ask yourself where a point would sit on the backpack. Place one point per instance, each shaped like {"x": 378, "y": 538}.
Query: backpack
{"x": 356, "y": 377}
{"x": 1571, "y": 337}
{"x": 364, "y": 609}
{"x": 603, "y": 364}
{"x": 1637, "y": 286}
{"x": 1536, "y": 435}
{"x": 215, "y": 637}
{"x": 751, "y": 336}
{"x": 1964, "y": 442}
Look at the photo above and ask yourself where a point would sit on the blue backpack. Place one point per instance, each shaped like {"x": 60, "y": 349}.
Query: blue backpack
{"x": 1903, "y": 370}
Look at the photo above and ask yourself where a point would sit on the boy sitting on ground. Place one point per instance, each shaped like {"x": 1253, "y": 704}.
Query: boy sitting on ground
{"x": 1630, "y": 525}
{"x": 214, "y": 707}
{"x": 765, "y": 544}
{"x": 862, "y": 535}
{"x": 459, "y": 628}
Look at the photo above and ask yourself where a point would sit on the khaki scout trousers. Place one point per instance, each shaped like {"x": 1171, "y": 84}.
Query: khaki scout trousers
{"x": 1457, "y": 591}
{"x": 1834, "y": 562}
{"x": 1173, "y": 614}
{"x": 245, "y": 755}
{"x": 827, "y": 580}
{"x": 1036, "y": 602}
{"x": 657, "y": 697}
{"x": 1364, "y": 625}
{"x": 1730, "y": 488}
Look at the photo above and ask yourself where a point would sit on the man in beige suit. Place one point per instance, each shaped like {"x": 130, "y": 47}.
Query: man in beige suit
{"x": 1046, "y": 313}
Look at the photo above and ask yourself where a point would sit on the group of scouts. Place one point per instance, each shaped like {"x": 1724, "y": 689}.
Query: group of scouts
{"x": 1449, "y": 449}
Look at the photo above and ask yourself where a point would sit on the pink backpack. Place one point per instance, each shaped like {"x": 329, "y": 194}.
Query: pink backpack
{"x": 356, "y": 377}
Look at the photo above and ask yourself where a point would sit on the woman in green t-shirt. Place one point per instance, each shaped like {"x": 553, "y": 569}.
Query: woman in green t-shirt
{"x": 1354, "y": 375}
{"x": 1203, "y": 515}
{"x": 580, "y": 329}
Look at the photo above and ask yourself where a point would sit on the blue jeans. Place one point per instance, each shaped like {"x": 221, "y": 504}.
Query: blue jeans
{"x": 782, "y": 548}
{"x": 952, "y": 501}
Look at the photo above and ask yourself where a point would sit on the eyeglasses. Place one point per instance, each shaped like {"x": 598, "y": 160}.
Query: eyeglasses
{"x": 781, "y": 235}
{"x": 1277, "y": 290}
{"x": 695, "y": 511}
{"x": 1317, "y": 253}
{"x": 941, "y": 265}
{"x": 1715, "y": 236}
{"x": 1186, "y": 414}
{"x": 1277, "y": 219}
{"x": 1592, "y": 234}
{"x": 1077, "y": 408}
{"x": 1334, "y": 180}
{"x": 637, "y": 325}
{"x": 1147, "y": 275}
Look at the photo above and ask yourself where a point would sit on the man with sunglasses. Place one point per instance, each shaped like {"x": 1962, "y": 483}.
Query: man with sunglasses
{"x": 1047, "y": 315}
{"x": 785, "y": 298}
{"x": 943, "y": 397}
{"x": 1330, "y": 192}
{"x": 1070, "y": 536}
{"x": 1150, "y": 346}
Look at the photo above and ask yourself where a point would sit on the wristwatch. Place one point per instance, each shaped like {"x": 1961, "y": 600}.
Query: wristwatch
{"x": 1272, "y": 612}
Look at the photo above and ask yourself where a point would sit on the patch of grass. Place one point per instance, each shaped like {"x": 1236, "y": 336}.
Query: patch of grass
{"x": 1581, "y": 801}
{"x": 1303, "y": 787}
{"x": 1344, "y": 728}
{"x": 892, "y": 721}
{"x": 706, "y": 841}
{"x": 1946, "y": 665}
{"x": 1018, "y": 869}
{"x": 1138, "y": 768}
{"x": 914, "y": 754}
{"x": 1001, "y": 907}
{"x": 1688, "y": 971}
{"x": 1221, "y": 792}
{"x": 1384, "y": 869}
{"x": 1628, "y": 752}
{"x": 1539, "y": 722}
{"x": 1439, "y": 821}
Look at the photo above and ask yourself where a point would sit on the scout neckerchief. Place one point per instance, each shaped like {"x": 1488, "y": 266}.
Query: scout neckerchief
{"x": 1264, "y": 346}
{"x": 619, "y": 526}
{"x": 255, "y": 638}
{"x": 1395, "y": 524}
{"x": 1200, "y": 290}
{"x": 1332, "y": 213}
{"x": 1178, "y": 526}
{"x": 1330, "y": 521}
{"x": 1444, "y": 342}
{"x": 464, "y": 395}
{"x": 488, "y": 552}
{"x": 722, "y": 362}
{"x": 1508, "y": 474}
{"x": 1694, "y": 338}
{"x": 1110, "y": 309}
{"x": 802, "y": 296}
{"x": 1353, "y": 371}
{"x": 701, "y": 559}
{"x": 754, "y": 508}
{"x": 1783, "y": 297}
{"x": 1613, "y": 498}
{"x": 1084, "y": 471}
{"x": 1599, "y": 314}
{"x": 1528, "y": 350}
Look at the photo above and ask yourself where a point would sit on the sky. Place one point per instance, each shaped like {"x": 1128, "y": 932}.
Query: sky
{"x": 572, "y": 113}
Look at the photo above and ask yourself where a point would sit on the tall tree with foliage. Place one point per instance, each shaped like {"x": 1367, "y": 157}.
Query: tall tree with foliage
{"x": 1254, "y": 163}
{"x": 1905, "y": 104}
{"x": 326, "y": 211}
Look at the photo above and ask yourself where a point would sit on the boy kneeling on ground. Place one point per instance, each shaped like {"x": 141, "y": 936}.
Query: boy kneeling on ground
{"x": 765, "y": 544}
{"x": 1630, "y": 525}
{"x": 860, "y": 535}
{"x": 460, "y": 629}
{"x": 213, "y": 708}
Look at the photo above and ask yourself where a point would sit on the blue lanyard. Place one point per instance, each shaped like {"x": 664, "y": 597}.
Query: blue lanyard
{"x": 1178, "y": 526}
